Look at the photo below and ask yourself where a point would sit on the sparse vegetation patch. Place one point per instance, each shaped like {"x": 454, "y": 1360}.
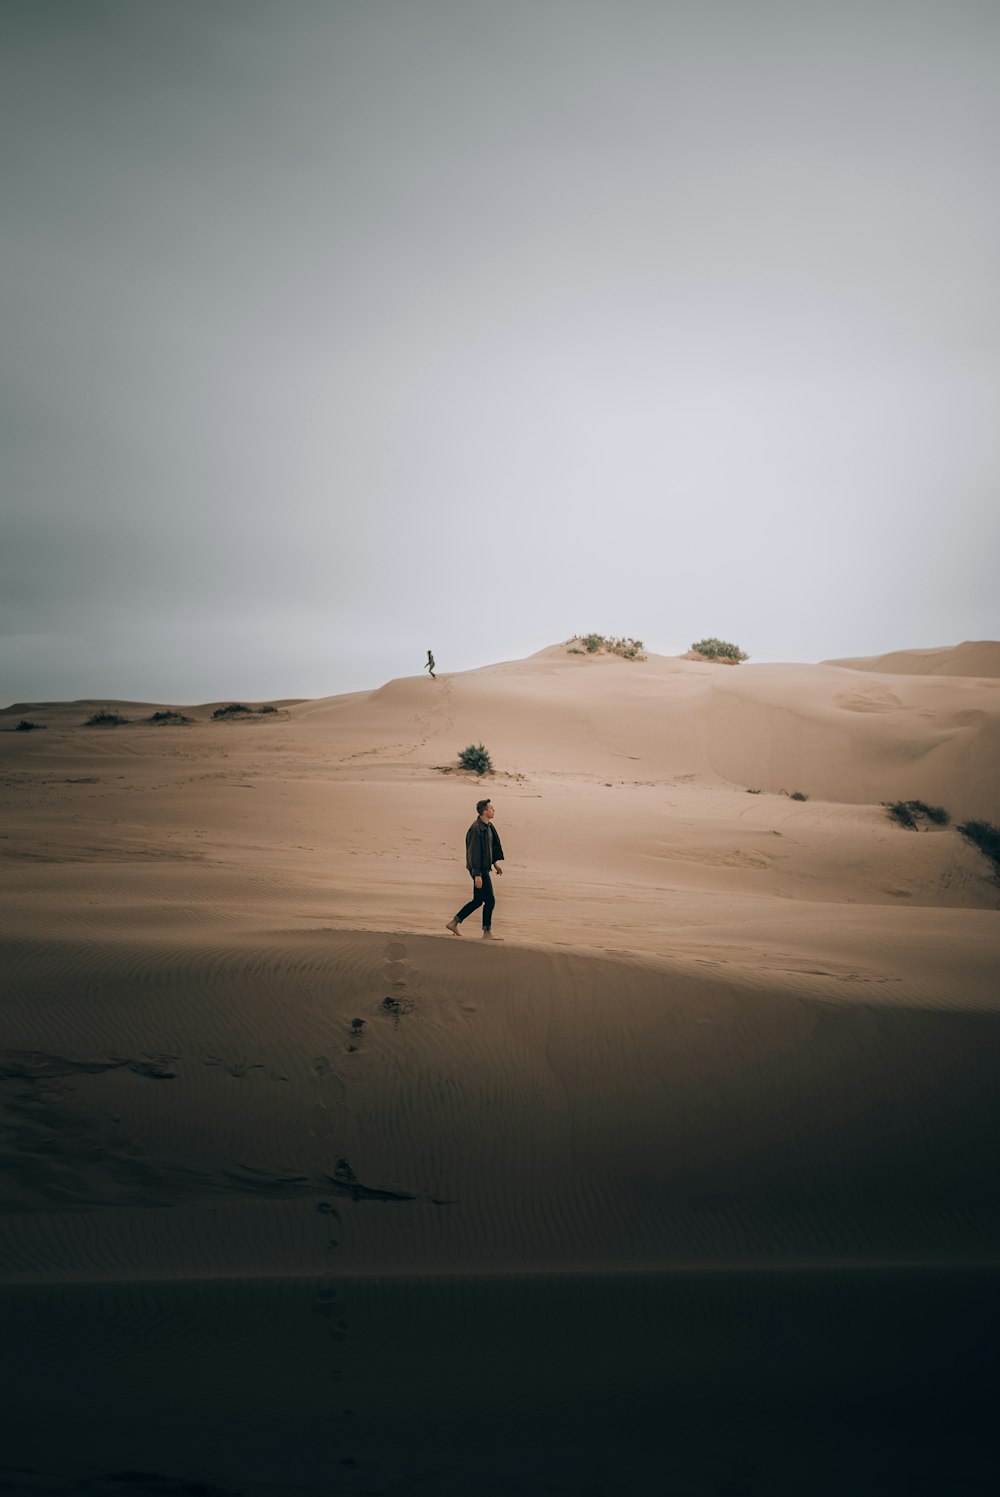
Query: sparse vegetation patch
{"x": 985, "y": 836}
{"x": 105, "y": 719}
{"x": 476, "y": 757}
{"x": 937, "y": 814}
{"x": 719, "y": 649}
{"x": 798, "y": 795}
{"x": 27, "y": 726}
{"x": 752, "y": 792}
{"x": 168, "y": 716}
{"x": 596, "y": 644}
{"x": 907, "y": 813}
{"x": 240, "y": 709}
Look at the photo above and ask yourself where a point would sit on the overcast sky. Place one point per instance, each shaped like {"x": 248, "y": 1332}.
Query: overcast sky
{"x": 337, "y": 331}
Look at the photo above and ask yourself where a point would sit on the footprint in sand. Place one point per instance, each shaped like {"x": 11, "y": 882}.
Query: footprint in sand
{"x": 241, "y": 1068}
{"x": 394, "y": 972}
{"x": 328, "y": 1302}
{"x": 355, "y": 1034}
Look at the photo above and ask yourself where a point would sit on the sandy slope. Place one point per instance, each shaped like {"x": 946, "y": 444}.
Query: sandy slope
{"x": 266, "y": 1124}
{"x": 973, "y": 657}
{"x": 721, "y": 1026}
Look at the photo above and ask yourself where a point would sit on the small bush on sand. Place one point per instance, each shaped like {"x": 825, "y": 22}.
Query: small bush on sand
{"x": 908, "y": 812}
{"x": 629, "y": 649}
{"x": 985, "y": 836}
{"x": 575, "y": 650}
{"x": 105, "y": 719}
{"x": 27, "y": 726}
{"x": 235, "y": 709}
{"x": 593, "y": 644}
{"x": 168, "y": 716}
{"x": 798, "y": 795}
{"x": 752, "y": 792}
{"x": 719, "y": 649}
{"x": 476, "y": 757}
{"x": 900, "y": 813}
{"x": 937, "y": 814}
{"x": 267, "y": 708}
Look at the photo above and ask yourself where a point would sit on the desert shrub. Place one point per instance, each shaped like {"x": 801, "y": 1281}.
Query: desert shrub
{"x": 27, "y": 726}
{"x": 752, "y": 792}
{"x": 263, "y": 711}
{"x": 573, "y": 650}
{"x": 168, "y": 716}
{"x": 985, "y": 836}
{"x": 906, "y": 812}
{"x": 937, "y": 814}
{"x": 797, "y": 795}
{"x": 719, "y": 649}
{"x": 476, "y": 757}
{"x": 235, "y": 709}
{"x": 629, "y": 649}
{"x": 105, "y": 719}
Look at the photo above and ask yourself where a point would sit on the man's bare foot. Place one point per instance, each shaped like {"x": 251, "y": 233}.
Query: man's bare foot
{"x": 489, "y": 936}
{"x": 453, "y": 927}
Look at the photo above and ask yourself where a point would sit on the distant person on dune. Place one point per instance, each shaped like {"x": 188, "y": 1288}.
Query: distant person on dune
{"x": 430, "y": 664}
{"x": 483, "y": 852}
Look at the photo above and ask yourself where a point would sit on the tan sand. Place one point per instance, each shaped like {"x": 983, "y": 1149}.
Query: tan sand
{"x": 973, "y": 657}
{"x": 725, "y": 1032}
{"x": 702, "y": 998}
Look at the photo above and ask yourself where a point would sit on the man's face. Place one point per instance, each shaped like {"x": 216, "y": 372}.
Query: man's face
{"x": 488, "y": 812}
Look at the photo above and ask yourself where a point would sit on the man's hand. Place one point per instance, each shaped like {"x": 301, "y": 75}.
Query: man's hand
{"x": 497, "y": 869}
{"x": 479, "y": 881}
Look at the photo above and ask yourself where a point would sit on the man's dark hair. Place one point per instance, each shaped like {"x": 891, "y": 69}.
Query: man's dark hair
{"x": 481, "y": 806}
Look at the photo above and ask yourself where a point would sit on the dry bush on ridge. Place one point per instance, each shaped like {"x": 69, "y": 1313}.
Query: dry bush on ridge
{"x": 594, "y": 644}
{"x": 105, "y": 719}
{"x": 906, "y": 813}
{"x": 719, "y": 649}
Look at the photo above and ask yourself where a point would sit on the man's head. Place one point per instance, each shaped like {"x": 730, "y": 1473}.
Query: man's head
{"x": 485, "y": 809}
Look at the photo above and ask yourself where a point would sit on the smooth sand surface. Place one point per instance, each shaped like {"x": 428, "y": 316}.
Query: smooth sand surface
{"x": 973, "y": 657}
{"x": 726, "y": 1036}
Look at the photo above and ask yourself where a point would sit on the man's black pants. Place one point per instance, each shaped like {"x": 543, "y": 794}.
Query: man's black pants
{"x": 484, "y": 897}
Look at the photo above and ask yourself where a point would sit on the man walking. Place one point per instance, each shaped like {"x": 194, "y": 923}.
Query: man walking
{"x": 483, "y": 852}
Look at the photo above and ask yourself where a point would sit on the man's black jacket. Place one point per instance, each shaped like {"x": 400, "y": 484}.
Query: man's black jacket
{"x": 477, "y": 847}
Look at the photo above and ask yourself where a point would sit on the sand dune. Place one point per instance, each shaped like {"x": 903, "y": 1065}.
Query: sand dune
{"x": 973, "y": 657}
{"x": 195, "y": 914}
{"x": 727, "y": 1034}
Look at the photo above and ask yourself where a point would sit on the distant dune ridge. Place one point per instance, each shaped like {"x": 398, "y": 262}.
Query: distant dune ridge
{"x": 974, "y": 657}
{"x": 725, "y": 1031}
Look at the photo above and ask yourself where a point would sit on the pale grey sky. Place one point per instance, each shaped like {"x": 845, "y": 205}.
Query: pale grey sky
{"x": 334, "y": 331}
